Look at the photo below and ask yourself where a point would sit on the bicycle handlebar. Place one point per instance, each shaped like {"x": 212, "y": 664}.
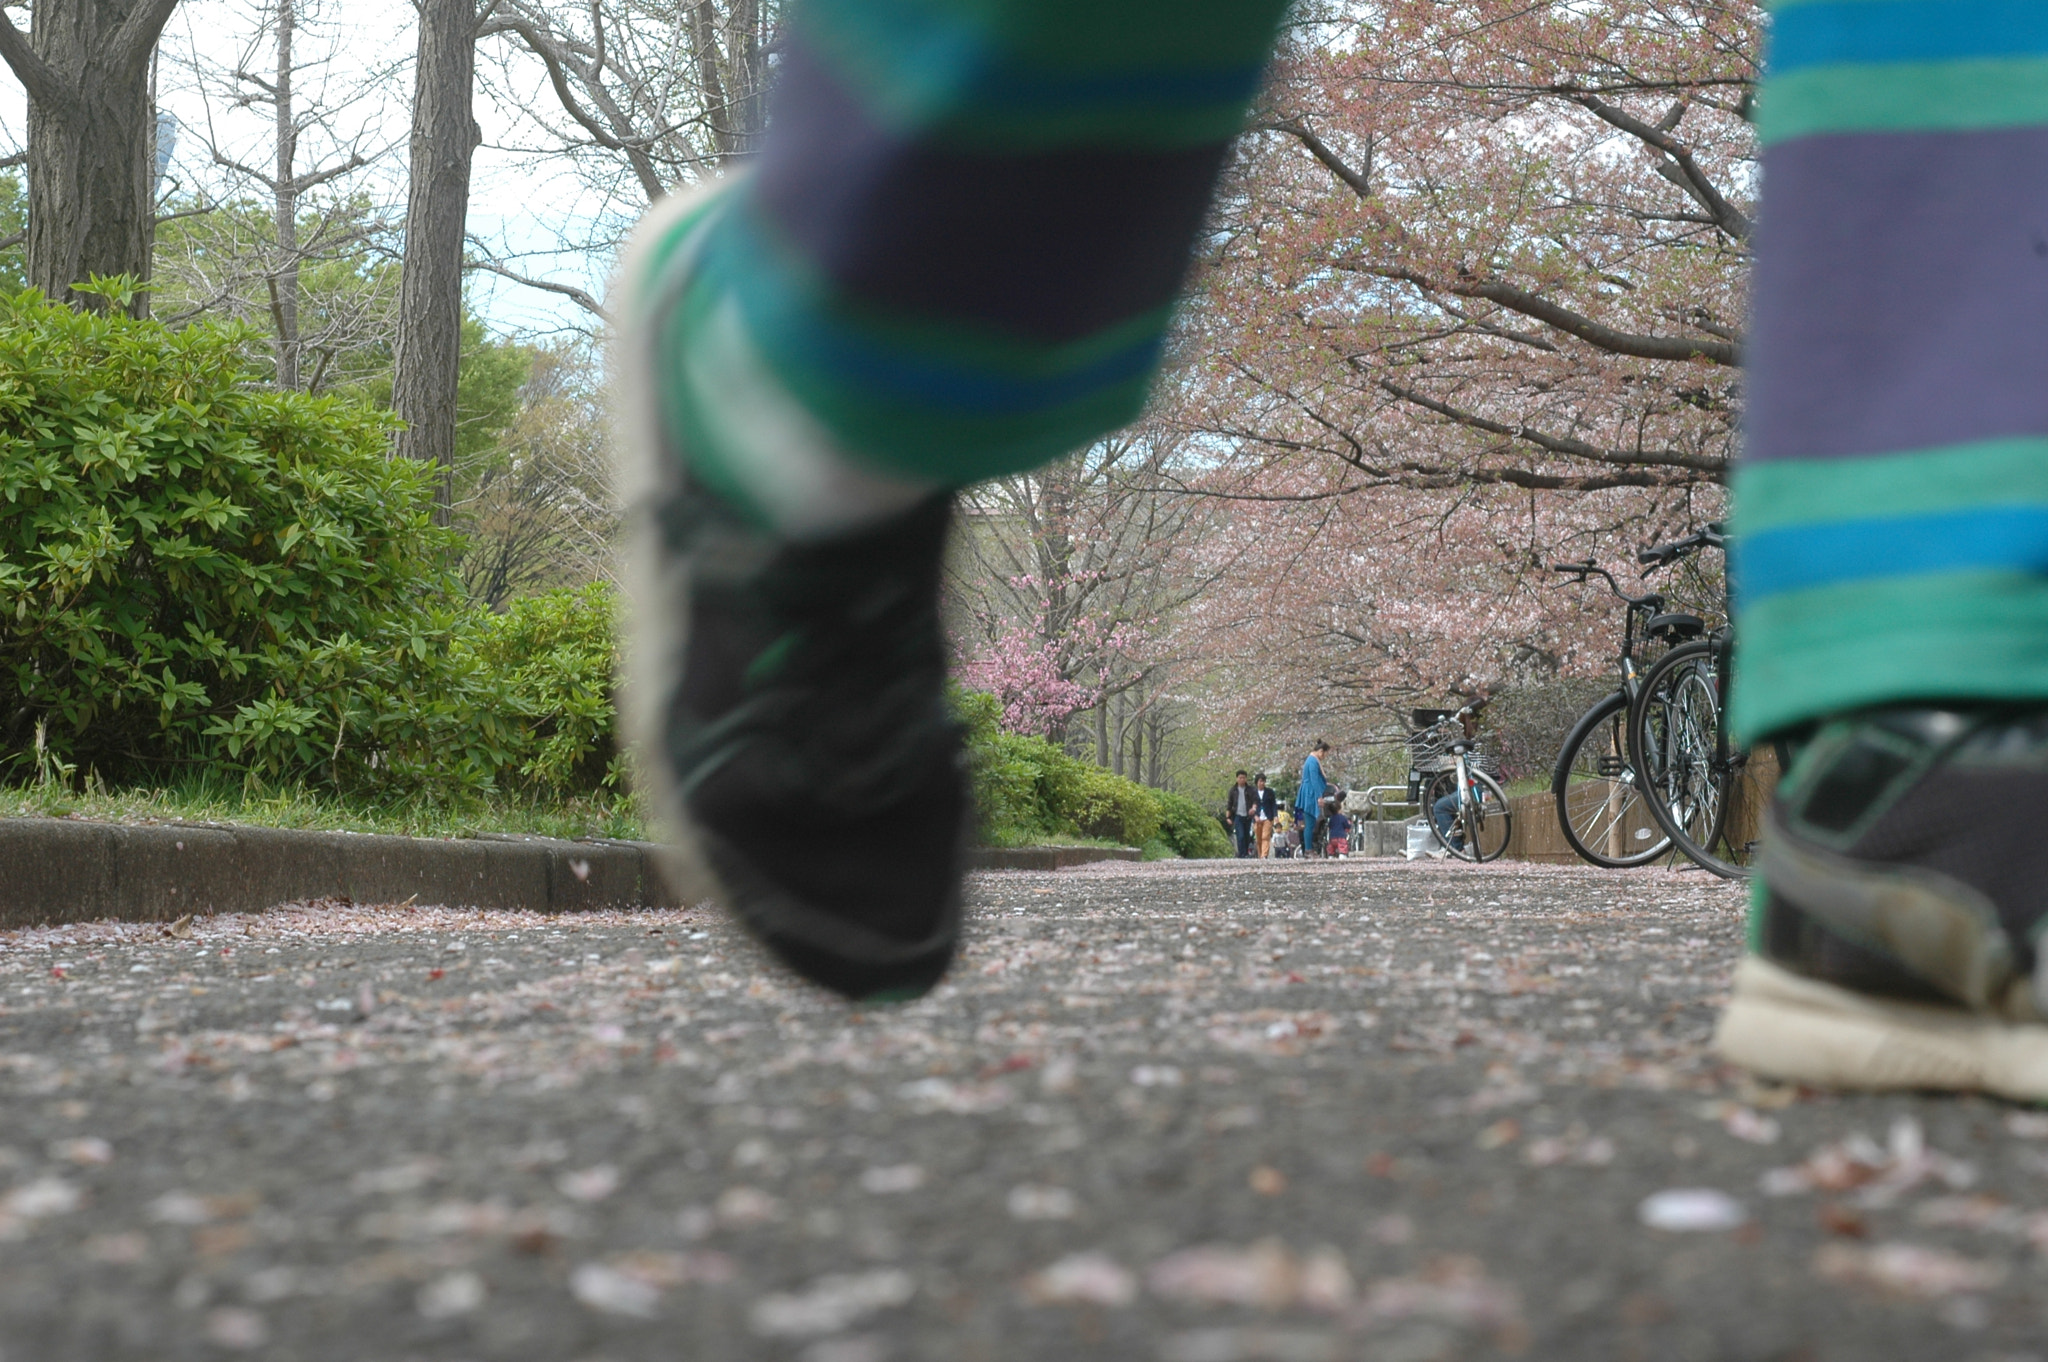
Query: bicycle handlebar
{"x": 1588, "y": 569}
{"x": 1713, "y": 536}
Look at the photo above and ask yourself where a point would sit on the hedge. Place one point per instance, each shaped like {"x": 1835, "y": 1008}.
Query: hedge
{"x": 197, "y": 571}
{"x": 1029, "y": 790}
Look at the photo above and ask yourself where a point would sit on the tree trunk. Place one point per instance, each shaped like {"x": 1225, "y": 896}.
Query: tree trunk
{"x": 444, "y": 138}
{"x": 1137, "y": 771}
{"x": 284, "y": 298}
{"x": 1123, "y": 704}
{"x": 91, "y": 141}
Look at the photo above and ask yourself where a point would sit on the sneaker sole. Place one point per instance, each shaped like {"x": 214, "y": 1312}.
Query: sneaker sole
{"x": 657, "y": 587}
{"x": 1785, "y": 1026}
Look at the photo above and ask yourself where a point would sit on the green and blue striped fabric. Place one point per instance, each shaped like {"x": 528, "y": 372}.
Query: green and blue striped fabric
{"x": 1892, "y": 504}
{"x": 960, "y": 249}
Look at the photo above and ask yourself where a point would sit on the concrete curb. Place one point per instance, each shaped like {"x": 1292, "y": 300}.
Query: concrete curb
{"x": 59, "y": 870}
{"x": 1045, "y": 858}
{"x": 65, "y": 870}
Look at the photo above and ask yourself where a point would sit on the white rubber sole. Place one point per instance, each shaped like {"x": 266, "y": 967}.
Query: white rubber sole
{"x": 1788, "y": 1027}
{"x": 657, "y": 587}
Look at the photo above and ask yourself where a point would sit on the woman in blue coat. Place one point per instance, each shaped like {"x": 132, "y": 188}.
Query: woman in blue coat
{"x": 1308, "y": 796}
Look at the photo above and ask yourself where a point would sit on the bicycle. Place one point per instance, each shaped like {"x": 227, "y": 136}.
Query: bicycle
{"x": 1600, "y": 799}
{"x": 1447, "y": 762}
{"x": 1679, "y": 736}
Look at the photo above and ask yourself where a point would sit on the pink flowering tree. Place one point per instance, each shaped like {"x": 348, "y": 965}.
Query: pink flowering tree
{"x": 1026, "y": 673}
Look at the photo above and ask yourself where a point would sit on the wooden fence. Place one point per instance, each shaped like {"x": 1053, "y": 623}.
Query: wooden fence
{"x": 1537, "y": 837}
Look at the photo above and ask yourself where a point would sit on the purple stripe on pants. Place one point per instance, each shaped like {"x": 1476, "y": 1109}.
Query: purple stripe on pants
{"x": 1901, "y": 294}
{"x": 1053, "y": 246}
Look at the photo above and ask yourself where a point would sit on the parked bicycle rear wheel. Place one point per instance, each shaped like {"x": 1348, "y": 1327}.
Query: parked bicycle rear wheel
{"x": 1600, "y": 805}
{"x": 1688, "y": 763}
{"x": 1481, "y": 827}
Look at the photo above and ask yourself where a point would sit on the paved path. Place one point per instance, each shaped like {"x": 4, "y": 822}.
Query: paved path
{"x": 1193, "y": 1113}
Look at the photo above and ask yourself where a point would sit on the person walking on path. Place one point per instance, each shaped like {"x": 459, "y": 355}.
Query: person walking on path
{"x": 1265, "y": 807}
{"x": 956, "y": 257}
{"x": 1308, "y": 794}
{"x": 1241, "y": 802}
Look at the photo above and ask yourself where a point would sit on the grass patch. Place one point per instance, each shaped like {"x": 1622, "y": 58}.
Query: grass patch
{"x": 1013, "y": 836}
{"x": 211, "y": 800}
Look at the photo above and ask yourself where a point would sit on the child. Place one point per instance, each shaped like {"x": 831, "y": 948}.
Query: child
{"x": 1340, "y": 834}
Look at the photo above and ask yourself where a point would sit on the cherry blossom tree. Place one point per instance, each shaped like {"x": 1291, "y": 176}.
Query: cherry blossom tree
{"x": 1066, "y": 584}
{"x": 1492, "y": 243}
{"x": 1472, "y": 306}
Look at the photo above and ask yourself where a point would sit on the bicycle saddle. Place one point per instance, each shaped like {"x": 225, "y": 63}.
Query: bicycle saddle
{"x": 1675, "y": 626}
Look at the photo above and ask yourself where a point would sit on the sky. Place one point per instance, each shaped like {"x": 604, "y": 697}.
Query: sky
{"x": 521, "y": 203}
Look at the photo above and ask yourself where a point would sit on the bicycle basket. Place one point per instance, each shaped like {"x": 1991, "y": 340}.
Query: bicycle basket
{"x": 1430, "y": 750}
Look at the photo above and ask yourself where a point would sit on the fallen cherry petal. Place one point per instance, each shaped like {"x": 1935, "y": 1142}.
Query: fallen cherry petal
{"x": 1682, "y": 1210}
{"x": 1265, "y": 1275}
{"x": 590, "y": 1184}
{"x": 903, "y": 1177}
{"x": 1091, "y": 1278}
{"x": 831, "y": 1303}
{"x": 1907, "y": 1269}
{"x": 611, "y": 1291}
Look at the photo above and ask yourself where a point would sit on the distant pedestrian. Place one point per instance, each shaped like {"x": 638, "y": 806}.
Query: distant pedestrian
{"x": 1241, "y": 802}
{"x": 1264, "y": 811}
{"x": 1308, "y": 795}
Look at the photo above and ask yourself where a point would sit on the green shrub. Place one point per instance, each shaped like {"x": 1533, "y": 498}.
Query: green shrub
{"x": 193, "y": 568}
{"x": 1027, "y": 790}
{"x": 1095, "y": 803}
{"x": 1005, "y": 770}
{"x": 552, "y": 658}
{"x": 199, "y": 574}
{"x": 1189, "y": 829}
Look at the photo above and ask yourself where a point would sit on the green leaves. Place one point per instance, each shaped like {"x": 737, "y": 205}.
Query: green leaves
{"x": 180, "y": 552}
{"x": 1027, "y": 790}
{"x": 199, "y": 573}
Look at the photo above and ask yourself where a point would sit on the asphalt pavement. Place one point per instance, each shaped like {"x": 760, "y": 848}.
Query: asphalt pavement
{"x": 1209, "y": 1112}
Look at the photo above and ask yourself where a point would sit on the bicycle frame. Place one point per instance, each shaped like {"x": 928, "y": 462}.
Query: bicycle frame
{"x": 1640, "y": 609}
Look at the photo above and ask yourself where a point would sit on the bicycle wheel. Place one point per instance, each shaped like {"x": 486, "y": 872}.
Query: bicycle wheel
{"x": 1600, "y": 806}
{"x": 1688, "y": 763}
{"x": 1482, "y": 825}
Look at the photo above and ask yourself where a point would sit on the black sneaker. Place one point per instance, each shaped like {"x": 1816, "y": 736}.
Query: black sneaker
{"x": 1900, "y": 897}
{"x": 786, "y": 699}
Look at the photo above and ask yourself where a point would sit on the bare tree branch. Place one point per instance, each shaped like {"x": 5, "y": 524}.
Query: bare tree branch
{"x": 1360, "y": 180}
{"x": 569, "y": 291}
{"x": 1558, "y": 444}
{"x": 1563, "y": 318}
{"x": 555, "y": 58}
{"x": 1681, "y": 169}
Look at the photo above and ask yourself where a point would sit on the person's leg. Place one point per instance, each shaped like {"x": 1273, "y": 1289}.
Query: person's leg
{"x": 1244, "y": 834}
{"x": 956, "y": 257}
{"x": 1444, "y": 813}
{"x": 1265, "y": 827}
{"x": 1891, "y": 567}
